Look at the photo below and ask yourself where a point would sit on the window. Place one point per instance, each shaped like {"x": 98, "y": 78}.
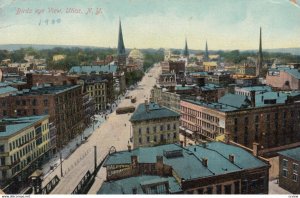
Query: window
{"x": 284, "y": 173}
{"x": 154, "y": 138}
{"x": 168, "y": 127}
{"x": 209, "y": 190}
{"x": 161, "y": 137}
{"x": 140, "y": 131}
{"x": 174, "y": 135}
{"x": 256, "y": 118}
{"x": 154, "y": 129}
{"x": 140, "y": 140}
{"x": 295, "y": 177}
{"x": 246, "y": 120}
{"x": 4, "y": 113}
{"x": 284, "y": 163}
{"x": 161, "y": 127}
{"x": 235, "y": 121}
{"x": 219, "y": 189}
{"x": 174, "y": 127}
{"x": 237, "y": 187}
{"x": 148, "y": 130}
{"x": 148, "y": 139}
{"x": 2, "y": 148}
{"x": 227, "y": 189}
{"x": 295, "y": 167}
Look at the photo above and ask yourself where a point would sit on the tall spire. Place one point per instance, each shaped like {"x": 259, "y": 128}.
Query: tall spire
{"x": 121, "y": 46}
{"x": 206, "y": 56}
{"x": 260, "y": 56}
{"x": 186, "y": 49}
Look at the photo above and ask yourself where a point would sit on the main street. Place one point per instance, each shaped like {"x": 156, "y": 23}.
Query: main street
{"x": 115, "y": 131}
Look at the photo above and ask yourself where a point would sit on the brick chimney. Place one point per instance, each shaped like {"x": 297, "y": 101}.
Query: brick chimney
{"x": 255, "y": 149}
{"x": 204, "y": 162}
{"x": 227, "y": 137}
{"x": 252, "y": 96}
{"x": 129, "y": 147}
{"x": 134, "y": 161}
{"x": 159, "y": 166}
{"x": 231, "y": 158}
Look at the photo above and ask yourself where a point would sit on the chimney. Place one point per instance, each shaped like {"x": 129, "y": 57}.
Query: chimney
{"x": 277, "y": 94}
{"x": 262, "y": 98}
{"x": 231, "y": 158}
{"x": 204, "y": 162}
{"x": 2, "y": 127}
{"x": 255, "y": 149}
{"x": 195, "y": 149}
{"x": 134, "y": 161}
{"x": 252, "y": 95}
{"x": 227, "y": 137}
{"x": 204, "y": 144}
{"x": 129, "y": 147}
{"x": 146, "y": 105}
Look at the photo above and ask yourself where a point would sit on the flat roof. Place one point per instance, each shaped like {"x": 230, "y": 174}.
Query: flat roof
{"x": 14, "y": 125}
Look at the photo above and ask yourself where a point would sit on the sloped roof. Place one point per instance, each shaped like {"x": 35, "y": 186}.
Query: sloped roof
{"x": 292, "y": 153}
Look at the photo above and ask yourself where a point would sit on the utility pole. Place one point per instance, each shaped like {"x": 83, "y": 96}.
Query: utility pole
{"x": 95, "y": 158}
{"x": 61, "y": 168}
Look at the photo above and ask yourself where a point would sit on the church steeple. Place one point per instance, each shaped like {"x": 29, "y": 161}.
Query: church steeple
{"x": 206, "y": 56}
{"x": 121, "y": 46}
{"x": 186, "y": 49}
{"x": 260, "y": 57}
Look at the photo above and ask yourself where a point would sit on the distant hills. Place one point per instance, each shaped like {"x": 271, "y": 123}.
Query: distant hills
{"x": 11, "y": 47}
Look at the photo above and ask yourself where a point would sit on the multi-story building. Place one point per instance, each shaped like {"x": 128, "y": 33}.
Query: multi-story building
{"x": 209, "y": 168}
{"x": 284, "y": 78}
{"x": 153, "y": 124}
{"x": 222, "y": 79}
{"x": 167, "y": 80}
{"x": 211, "y": 92}
{"x": 270, "y": 119}
{"x": 64, "y": 105}
{"x": 96, "y": 87}
{"x": 24, "y": 143}
{"x": 35, "y": 79}
{"x": 247, "y": 70}
{"x": 244, "y": 80}
{"x": 289, "y": 169}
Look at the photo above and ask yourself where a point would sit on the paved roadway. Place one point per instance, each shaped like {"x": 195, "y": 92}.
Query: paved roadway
{"x": 115, "y": 131}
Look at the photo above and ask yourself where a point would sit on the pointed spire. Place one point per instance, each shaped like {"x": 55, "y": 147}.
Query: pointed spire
{"x": 121, "y": 46}
{"x": 206, "y": 56}
{"x": 260, "y": 56}
{"x": 186, "y": 49}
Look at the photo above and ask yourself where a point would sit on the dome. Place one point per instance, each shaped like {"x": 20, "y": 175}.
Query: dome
{"x": 135, "y": 54}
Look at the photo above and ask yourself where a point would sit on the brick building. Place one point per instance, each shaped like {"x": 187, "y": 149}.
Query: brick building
{"x": 284, "y": 78}
{"x": 270, "y": 119}
{"x": 53, "y": 79}
{"x": 209, "y": 168}
{"x": 64, "y": 105}
{"x": 289, "y": 169}
{"x": 153, "y": 124}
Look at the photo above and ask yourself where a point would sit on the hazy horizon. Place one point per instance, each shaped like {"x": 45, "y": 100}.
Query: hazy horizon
{"x": 226, "y": 25}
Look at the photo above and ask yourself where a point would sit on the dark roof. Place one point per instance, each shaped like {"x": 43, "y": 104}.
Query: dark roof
{"x": 188, "y": 165}
{"x": 292, "y": 153}
{"x": 155, "y": 112}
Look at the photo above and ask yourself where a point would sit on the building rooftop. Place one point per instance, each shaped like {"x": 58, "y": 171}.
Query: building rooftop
{"x": 155, "y": 112}
{"x": 188, "y": 161}
{"x": 125, "y": 186}
{"x": 256, "y": 88}
{"x": 212, "y": 105}
{"x": 261, "y": 100}
{"x": 14, "y": 125}
{"x": 46, "y": 89}
{"x": 185, "y": 87}
{"x": 7, "y": 89}
{"x": 111, "y": 68}
{"x": 292, "y": 153}
{"x": 209, "y": 86}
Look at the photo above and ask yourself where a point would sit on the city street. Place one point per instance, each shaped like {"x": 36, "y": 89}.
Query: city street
{"x": 115, "y": 131}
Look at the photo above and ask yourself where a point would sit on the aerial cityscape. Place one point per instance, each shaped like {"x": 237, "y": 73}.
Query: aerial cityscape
{"x": 149, "y": 97}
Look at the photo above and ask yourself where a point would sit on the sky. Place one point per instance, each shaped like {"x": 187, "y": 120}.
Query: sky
{"x": 224, "y": 24}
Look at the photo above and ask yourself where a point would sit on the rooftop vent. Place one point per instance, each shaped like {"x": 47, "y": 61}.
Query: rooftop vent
{"x": 231, "y": 158}
{"x": 204, "y": 162}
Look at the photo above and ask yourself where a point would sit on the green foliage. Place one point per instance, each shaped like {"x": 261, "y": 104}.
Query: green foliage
{"x": 133, "y": 77}
{"x": 152, "y": 57}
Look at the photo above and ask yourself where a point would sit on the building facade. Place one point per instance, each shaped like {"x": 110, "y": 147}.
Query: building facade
{"x": 289, "y": 169}
{"x": 24, "y": 143}
{"x": 284, "y": 78}
{"x": 64, "y": 105}
{"x": 153, "y": 125}
{"x": 270, "y": 119}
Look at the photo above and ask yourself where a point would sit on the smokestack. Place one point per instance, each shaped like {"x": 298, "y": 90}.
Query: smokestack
{"x": 252, "y": 95}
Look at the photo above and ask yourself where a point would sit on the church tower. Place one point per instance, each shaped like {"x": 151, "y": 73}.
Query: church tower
{"x": 206, "y": 56}
{"x": 186, "y": 50}
{"x": 121, "y": 53}
{"x": 259, "y": 64}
